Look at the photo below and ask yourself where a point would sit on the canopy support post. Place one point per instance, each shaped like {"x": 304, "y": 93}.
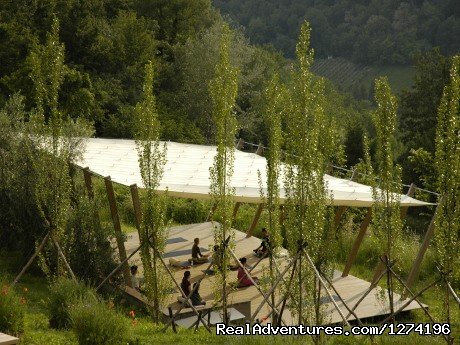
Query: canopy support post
{"x": 357, "y": 243}
{"x": 88, "y": 183}
{"x": 117, "y": 227}
{"x": 255, "y": 220}
{"x": 235, "y": 209}
{"x": 414, "y": 271}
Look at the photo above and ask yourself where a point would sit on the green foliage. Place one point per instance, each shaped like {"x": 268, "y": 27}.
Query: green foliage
{"x": 223, "y": 90}
{"x": 88, "y": 239}
{"x": 12, "y": 310}
{"x": 386, "y": 210}
{"x": 64, "y": 295}
{"x": 187, "y": 211}
{"x": 95, "y": 323}
{"x": 309, "y": 141}
{"x": 55, "y": 140}
{"x": 368, "y": 32}
{"x": 276, "y": 96}
{"x": 418, "y": 111}
{"x": 447, "y": 162}
{"x": 152, "y": 158}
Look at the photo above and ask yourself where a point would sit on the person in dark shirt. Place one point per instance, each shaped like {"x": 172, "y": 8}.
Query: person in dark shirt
{"x": 197, "y": 257}
{"x": 196, "y": 298}
{"x": 185, "y": 284}
{"x": 264, "y": 247}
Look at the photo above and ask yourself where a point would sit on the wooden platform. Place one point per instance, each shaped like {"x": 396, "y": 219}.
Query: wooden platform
{"x": 6, "y": 339}
{"x": 350, "y": 287}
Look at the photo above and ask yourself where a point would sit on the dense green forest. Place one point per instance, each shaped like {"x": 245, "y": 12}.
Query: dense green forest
{"x": 108, "y": 42}
{"x": 368, "y": 32}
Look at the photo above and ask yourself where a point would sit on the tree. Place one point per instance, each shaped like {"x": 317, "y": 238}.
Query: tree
{"x": 223, "y": 90}
{"x": 447, "y": 163}
{"x": 55, "y": 142}
{"x": 309, "y": 142}
{"x": 152, "y": 158}
{"x": 386, "y": 222}
{"x": 275, "y": 95}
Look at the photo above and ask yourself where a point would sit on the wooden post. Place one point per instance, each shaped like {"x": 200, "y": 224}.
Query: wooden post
{"x": 341, "y": 209}
{"x": 88, "y": 183}
{"x": 61, "y": 254}
{"x": 235, "y": 209}
{"x": 240, "y": 144}
{"x": 260, "y": 150}
{"x": 357, "y": 243}
{"x": 415, "y": 269}
{"x": 32, "y": 258}
{"x": 255, "y": 220}
{"x": 136, "y": 205}
{"x": 381, "y": 266}
{"x": 117, "y": 227}
{"x": 211, "y": 212}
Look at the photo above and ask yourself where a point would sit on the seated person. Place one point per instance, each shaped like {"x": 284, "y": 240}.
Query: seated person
{"x": 135, "y": 281}
{"x": 216, "y": 257}
{"x": 176, "y": 263}
{"x": 217, "y": 260}
{"x": 185, "y": 285}
{"x": 196, "y": 298}
{"x": 264, "y": 248}
{"x": 243, "y": 279}
{"x": 197, "y": 257}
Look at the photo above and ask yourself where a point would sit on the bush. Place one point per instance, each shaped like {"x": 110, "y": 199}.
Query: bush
{"x": 186, "y": 211}
{"x": 96, "y": 324}
{"x": 64, "y": 293}
{"x": 12, "y": 311}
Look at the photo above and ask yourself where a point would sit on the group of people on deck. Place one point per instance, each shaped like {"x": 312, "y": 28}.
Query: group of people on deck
{"x": 243, "y": 275}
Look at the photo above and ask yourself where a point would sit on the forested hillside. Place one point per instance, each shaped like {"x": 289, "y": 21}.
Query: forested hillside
{"x": 365, "y": 31}
{"x": 108, "y": 42}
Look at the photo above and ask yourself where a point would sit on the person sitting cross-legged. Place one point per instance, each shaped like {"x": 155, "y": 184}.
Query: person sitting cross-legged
{"x": 197, "y": 257}
{"x": 264, "y": 248}
{"x": 243, "y": 278}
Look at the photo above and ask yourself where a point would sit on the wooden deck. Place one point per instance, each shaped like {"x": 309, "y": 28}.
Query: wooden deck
{"x": 181, "y": 241}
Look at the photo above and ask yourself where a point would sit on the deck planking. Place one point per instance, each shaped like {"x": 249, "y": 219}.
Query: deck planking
{"x": 350, "y": 288}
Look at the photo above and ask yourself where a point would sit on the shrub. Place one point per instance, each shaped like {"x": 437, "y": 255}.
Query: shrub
{"x": 12, "y": 311}
{"x": 64, "y": 293}
{"x": 187, "y": 211}
{"x": 96, "y": 324}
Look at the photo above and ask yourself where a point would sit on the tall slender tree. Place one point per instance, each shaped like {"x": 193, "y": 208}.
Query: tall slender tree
{"x": 56, "y": 141}
{"x": 275, "y": 95}
{"x": 387, "y": 224}
{"x": 447, "y": 158}
{"x": 309, "y": 141}
{"x": 152, "y": 157}
{"x": 223, "y": 90}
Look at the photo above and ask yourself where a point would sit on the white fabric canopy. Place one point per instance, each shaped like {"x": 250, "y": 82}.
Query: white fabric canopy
{"x": 186, "y": 173}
